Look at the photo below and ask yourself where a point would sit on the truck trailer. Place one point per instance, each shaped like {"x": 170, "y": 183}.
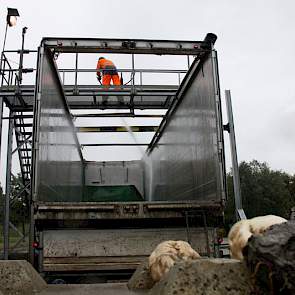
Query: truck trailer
{"x": 107, "y": 216}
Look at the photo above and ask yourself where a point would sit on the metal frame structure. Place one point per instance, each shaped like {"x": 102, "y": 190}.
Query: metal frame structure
{"x": 19, "y": 99}
{"x": 240, "y": 214}
{"x": 17, "y": 126}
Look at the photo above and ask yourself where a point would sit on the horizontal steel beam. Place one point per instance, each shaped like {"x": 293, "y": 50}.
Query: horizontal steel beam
{"x": 111, "y": 115}
{"x": 113, "y": 144}
{"x": 127, "y": 46}
{"x": 117, "y": 129}
{"x": 70, "y": 70}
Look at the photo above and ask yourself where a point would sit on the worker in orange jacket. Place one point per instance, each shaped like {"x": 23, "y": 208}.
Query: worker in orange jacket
{"x": 108, "y": 71}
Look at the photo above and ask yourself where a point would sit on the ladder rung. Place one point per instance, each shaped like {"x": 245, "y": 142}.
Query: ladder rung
{"x": 22, "y": 141}
{"x": 24, "y": 133}
{"x": 24, "y": 125}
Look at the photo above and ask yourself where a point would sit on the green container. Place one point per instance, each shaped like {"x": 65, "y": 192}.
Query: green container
{"x": 119, "y": 193}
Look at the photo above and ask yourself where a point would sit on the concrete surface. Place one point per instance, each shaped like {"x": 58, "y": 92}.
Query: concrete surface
{"x": 93, "y": 289}
{"x": 141, "y": 279}
{"x": 205, "y": 276}
{"x": 18, "y": 277}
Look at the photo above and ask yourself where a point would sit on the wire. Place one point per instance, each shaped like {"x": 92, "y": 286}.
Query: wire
{"x": 132, "y": 77}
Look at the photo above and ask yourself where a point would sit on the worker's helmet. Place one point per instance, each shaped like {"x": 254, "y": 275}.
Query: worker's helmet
{"x": 101, "y": 58}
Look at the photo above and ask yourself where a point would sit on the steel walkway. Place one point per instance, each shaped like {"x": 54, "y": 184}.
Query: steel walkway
{"x": 91, "y": 97}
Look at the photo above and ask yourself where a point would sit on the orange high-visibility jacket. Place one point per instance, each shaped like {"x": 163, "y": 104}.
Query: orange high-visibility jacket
{"x": 107, "y": 67}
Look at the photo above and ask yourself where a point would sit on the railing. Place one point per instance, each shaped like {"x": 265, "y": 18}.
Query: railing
{"x": 9, "y": 75}
{"x": 5, "y": 67}
{"x": 136, "y": 77}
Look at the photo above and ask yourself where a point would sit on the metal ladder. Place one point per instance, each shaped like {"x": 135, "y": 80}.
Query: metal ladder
{"x": 23, "y": 135}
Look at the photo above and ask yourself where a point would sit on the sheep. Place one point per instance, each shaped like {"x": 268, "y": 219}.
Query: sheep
{"x": 166, "y": 254}
{"x": 242, "y": 230}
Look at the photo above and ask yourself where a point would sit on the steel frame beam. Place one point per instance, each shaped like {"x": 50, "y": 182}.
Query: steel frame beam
{"x": 8, "y": 189}
{"x": 126, "y": 46}
{"x": 240, "y": 214}
{"x": 117, "y": 129}
{"x": 112, "y": 144}
{"x": 114, "y": 115}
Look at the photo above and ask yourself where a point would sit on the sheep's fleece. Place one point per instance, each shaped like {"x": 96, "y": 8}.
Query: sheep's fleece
{"x": 242, "y": 230}
{"x": 166, "y": 254}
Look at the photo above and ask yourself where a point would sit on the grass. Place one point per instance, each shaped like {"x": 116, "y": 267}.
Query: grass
{"x": 13, "y": 236}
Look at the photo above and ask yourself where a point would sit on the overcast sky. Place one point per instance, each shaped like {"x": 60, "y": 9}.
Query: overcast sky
{"x": 255, "y": 46}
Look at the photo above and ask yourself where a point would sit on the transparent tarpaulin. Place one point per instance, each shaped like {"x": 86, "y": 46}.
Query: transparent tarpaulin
{"x": 59, "y": 160}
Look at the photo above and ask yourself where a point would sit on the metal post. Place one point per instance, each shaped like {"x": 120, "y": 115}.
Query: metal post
{"x": 133, "y": 73}
{"x": 236, "y": 177}
{"x": 140, "y": 77}
{"x": 1, "y": 117}
{"x": 2, "y": 54}
{"x": 21, "y": 58}
{"x": 132, "y": 89}
{"x": 188, "y": 62}
{"x": 76, "y": 74}
{"x": 8, "y": 187}
{"x": 4, "y": 42}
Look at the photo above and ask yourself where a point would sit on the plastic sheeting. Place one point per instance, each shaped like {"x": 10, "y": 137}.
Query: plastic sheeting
{"x": 58, "y": 163}
{"x": 185, "y": 164}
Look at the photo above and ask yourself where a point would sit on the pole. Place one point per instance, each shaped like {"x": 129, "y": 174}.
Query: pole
{"x": 236, "y": 177}
{"x": 1, "y": 116}
{"x": 2, "y": 53}
{"x": 21, "y": 58}
{"x": 4, "y": 42}
{"x": 8, "y": 187}
{"x": 76, "y": 74}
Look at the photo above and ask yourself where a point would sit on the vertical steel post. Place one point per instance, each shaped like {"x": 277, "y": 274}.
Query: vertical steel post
{"x": 140, "y": 78}
{"x": 236, "y": 177}
{"x": 21, "y": 57}
{"x": 1, "y": 115}
{"x": 4, "y": 42}
{"x": 133, "y": 73}
{"x": 76, "y": 74}
{"x": 8, "y": 186}
{"x": 188, "y": 62}
{"x": 132, "y": 87}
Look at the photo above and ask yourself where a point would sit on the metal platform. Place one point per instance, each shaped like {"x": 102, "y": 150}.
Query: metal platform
{"x": 21, "y": 98}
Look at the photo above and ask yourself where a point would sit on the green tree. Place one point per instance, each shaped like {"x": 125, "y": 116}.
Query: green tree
{"x": 18, "y": 209}
{"x": 264, "y": 191}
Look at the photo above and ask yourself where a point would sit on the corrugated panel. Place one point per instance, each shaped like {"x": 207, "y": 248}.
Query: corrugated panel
{"x": 58, "y": 162}
{"x": 185, "y": 163}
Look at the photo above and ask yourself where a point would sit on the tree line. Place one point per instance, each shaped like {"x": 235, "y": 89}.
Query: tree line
{"x": 264, "y": 191}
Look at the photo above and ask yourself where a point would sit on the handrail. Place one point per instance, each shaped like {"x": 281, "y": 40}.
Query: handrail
{"x": 4, "y": 62}
{"x": 160, "y": 71}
